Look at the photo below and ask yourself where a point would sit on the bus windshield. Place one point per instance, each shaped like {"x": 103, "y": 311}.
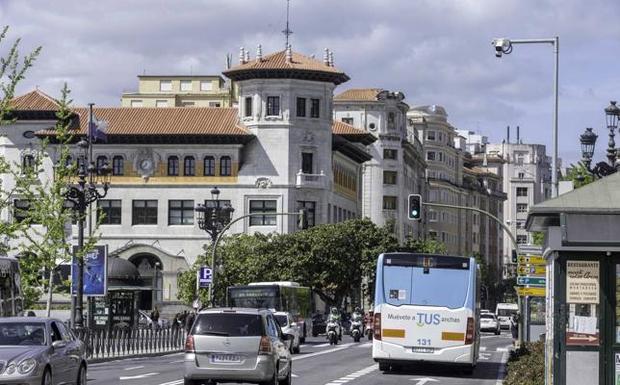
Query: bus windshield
{"x": 409, "y": 282}
{"x": 253, "y": 297}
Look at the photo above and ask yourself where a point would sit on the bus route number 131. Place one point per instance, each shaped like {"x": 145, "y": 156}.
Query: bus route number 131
{"x": 424, "y": 342}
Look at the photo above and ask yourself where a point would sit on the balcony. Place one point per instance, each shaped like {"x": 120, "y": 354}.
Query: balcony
{"x": 317, "y": 181}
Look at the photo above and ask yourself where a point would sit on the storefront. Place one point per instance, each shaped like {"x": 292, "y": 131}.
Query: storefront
{"x": 582, "y": 251}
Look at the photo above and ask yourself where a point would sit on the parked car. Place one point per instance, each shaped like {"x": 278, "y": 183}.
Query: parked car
{"x": 288, "y": 326}
{"x": 237, "y": 345}
{"x": 40, "y": 351}
{"x": 489, "y": 322}
{"x": 318, "y": 324}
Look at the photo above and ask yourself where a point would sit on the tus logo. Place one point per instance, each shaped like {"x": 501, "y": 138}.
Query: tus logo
{"x": 428, "y": 319}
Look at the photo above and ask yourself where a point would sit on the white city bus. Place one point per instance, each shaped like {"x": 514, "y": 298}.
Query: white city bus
{"x": 426, "y": 310}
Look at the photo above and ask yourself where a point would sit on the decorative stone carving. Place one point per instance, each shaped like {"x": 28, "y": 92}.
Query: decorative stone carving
{"x": 308, "y": 137}
{"x": 144, "y": 163}
{"x": 263, "y": 182}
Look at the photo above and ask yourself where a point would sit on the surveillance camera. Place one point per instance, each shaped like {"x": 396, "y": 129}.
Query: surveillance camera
{"x": 502, "y": 46}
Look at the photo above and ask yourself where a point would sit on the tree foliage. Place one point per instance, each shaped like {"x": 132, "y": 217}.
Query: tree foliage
{"x": 579, "y": 175}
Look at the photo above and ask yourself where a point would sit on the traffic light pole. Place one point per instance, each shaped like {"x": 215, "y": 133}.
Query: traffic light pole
{"x": 211, "y": 294}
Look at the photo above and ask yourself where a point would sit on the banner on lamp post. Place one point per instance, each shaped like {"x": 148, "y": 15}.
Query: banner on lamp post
{"x": 95, "y": 271}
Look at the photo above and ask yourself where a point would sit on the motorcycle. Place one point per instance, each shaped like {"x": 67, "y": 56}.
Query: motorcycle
{"x": 369, "y": 326}
{"x": 356, "y": 330}
{"x": 332, "y": 332}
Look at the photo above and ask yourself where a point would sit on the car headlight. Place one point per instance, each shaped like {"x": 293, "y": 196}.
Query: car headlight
{"x": 10, "y": 369}
{"x": 26, "y": 366}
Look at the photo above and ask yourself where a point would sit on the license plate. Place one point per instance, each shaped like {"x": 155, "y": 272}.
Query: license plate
{"x": 225, "y": 358}
{"x": 422, "y": 350}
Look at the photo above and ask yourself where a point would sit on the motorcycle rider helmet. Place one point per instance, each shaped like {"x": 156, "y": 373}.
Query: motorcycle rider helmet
{"x": 334, "y": 310}
{"x": 357, "y": 309}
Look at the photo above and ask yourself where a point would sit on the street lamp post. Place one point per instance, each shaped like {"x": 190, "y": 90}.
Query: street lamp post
{"x": 504, "y": 46}
{"x": 213, "y": 220}
{"x": 90, "y": 178}
{"x": 588, "y": 143}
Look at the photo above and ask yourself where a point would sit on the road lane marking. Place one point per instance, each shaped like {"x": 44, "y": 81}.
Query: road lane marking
{"x": 353, "y": 376}
{"x": 176, "y": 382}
{"x": 139, "y": 376}
{"x": 134, "y": 368}
{"x": 483, "y": 348}
{"x": 364, "y": 345}
{"x": 422, "y": 381}
{"x": 485, "y": 356}
{"x": 341, "y": 347}
{"x": 501, "y": 370}
{"x": 322, "y": 345}
{"x": 501, "y": 349}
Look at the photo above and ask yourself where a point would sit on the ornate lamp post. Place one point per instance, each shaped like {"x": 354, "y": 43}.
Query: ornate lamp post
{"x": 588, "y": 143}
{"x": 90, "y": 179}
{"x": 212, "y": 219}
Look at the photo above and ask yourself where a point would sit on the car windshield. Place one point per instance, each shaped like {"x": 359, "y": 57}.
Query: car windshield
{"x": 506, "y": 312}
{"x": 228, "y": 324}
{"x": 22, "y": 333}
{"x": 487, "y": 316}
{"x": 282, "y": 320}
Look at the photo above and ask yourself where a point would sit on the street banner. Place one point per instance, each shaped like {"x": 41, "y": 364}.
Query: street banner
{"x": 582, "y": 282}
{"x": 95, "y": 271}
{"x": 531, "y": 291}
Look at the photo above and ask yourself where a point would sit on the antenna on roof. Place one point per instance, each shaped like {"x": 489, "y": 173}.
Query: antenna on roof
{"x": 287, "y": 31}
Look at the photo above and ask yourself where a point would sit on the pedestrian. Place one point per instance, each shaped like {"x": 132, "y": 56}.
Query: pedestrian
{"x": 189, "y": 322}
{"x": 514, "y": 328}
{"x": 175, "y": 321}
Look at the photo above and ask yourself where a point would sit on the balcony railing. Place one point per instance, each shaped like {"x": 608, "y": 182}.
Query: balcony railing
{"x": 310, "y": 180}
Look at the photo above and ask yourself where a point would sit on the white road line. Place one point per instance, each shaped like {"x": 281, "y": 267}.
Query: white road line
{"x": 176, "y": 382}
{"x": 322, "y": 345}
{"x": 341, "y": 347}
{"x": 483, "y": 348}
{"x": 501, "y": 349}
{"x": 352, "y": 376}
{"x": 501, "y": 370}
{"x": 139, "y": 376}
{"x": 134, "y": 368}
{"x": 364, "y": 345}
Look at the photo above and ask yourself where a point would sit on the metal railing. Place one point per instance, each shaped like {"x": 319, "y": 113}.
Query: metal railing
{"x": 120, "y": 343}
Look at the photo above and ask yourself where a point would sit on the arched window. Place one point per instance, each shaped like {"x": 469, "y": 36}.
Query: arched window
{"x": 118, "y": 165}
{"x": 102, "y": 161}
{"x": 189, "y": 166}
{"x": 173, "y": 165}
{"x": 28, "y": 163}
{"x": 225, "y": 166}
{"x": 209, "y": 169}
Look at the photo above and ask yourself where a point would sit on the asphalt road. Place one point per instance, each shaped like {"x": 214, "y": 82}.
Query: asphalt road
{"x": 320, "y": 364}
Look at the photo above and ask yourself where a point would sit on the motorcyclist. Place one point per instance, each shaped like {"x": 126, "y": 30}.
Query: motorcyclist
{"x": 357, "y": 316}
{"x": 334, "y": 316}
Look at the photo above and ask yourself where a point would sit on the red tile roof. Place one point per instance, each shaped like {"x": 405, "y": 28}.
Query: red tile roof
{"x": 352, "y": 133}
{"x": 34, "y": 101}
{"x": 359, "y": 94}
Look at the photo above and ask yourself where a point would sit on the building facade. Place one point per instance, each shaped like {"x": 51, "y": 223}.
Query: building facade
{"x": 397, "y": 168}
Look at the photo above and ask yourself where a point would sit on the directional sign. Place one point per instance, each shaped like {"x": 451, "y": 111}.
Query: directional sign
{"x": 531, "y": 270}
{"x": 530, "y": 260}
{"x": 205, "y": 276}
{"x": 531, "y": 291}
{"x": 531, "y": 281}
{"x": 581, "y": 339}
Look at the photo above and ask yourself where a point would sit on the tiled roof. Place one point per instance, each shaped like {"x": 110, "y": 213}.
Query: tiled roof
{"x": 352, "y": 133}
{"x": 359, "y": 94}
{"x": 34, "y": 101}
{"x": 276, "y": 63}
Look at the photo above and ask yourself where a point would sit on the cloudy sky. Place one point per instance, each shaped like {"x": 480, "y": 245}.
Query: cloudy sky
{"x": 435, "y": 51}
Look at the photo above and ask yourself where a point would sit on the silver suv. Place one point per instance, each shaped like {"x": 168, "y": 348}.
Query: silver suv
{"x": 237, "y": 345}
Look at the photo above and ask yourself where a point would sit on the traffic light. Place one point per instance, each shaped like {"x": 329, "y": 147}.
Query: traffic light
{"x": 514, "y": 256}
{"x": 302, "y": 219}
{"x": 415, "y": 207}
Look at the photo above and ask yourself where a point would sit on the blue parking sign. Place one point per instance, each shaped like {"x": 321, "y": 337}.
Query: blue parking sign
{"x": 205, "y": 276}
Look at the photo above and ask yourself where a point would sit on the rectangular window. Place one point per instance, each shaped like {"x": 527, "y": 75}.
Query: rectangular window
{"x": 314, "y": 108}
{"x": 347, "y": 120}
{"x": 186, "y": 85}
{"x": 263, "y": 206}
{"x": 206, "y": 85}
{"x": 188, "y": 104}
{"x": 306, "y": 162}
{"x": 390, "y": 202}
{"x": 144, "y": 212}
{"x": 165, "y": 85}
{"x": 215, "y": 104}
{"x": 180, "y": 212}
{"x": 273, "y": 106}
{"x": 20, "y": 210}
{"x": 521, "y": 191}
{"x": 111, "y": 211}
{"x": 430, "y": 155}
{"x": 521, "y": 224}
{"x": 211, "y": 203}
{"x": 389, "y": 177}
{"x": 310, "y": 211}
{"x": 161, "y": 103}
{"x": 136, "y": 103}
{"x": 522, "y": 207}
{"x": 301, "y": 107}
{"x": 430, "y": 135}
{"x": 521, "y": 239}
{"x": 389, "y": 153}
{"x": 247, "y": 111}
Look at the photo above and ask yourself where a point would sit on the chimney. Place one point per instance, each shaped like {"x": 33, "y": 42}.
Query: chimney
{"x": 241, "y": 55}
{"x": 508, "y": 134}
{"x": 518, "y": 142}
{"x": 289, "y": 54}
{"x": 326, "y": 57}
{"x": 247, "y": 56}
{"x": 259, "y": 53}
{"x": 331, "y": 59}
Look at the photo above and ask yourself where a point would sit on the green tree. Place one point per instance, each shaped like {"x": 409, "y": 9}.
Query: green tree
{"x": 579, "y": 175}
{"x": 429, "y": 246}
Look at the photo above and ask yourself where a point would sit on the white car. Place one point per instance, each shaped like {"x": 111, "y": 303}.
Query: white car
{"x": 489, "y": 322}
{"x": 288, "y": 326}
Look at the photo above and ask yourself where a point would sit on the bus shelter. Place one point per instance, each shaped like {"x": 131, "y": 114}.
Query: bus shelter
{"x": 582, "y": 255}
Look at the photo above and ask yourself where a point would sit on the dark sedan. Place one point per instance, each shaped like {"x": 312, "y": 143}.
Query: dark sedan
{"x": 40, "y": 351}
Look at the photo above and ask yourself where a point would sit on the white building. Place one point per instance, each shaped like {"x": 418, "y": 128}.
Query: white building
{"x": 398, "y": 167}
{"x": 278, "y": 152}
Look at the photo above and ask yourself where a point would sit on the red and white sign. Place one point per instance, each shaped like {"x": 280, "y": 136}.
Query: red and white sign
{"x": 581, "y": 339}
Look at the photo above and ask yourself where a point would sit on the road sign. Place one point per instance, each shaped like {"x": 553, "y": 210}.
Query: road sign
{"x": 205, "y": 276}
{"x": 530, "y": 260}
{"x": 581, "y": 339}
{"x": 531, "y": 270}
{"x": 531, "y": 281}
{"x": 531, "y": 291}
